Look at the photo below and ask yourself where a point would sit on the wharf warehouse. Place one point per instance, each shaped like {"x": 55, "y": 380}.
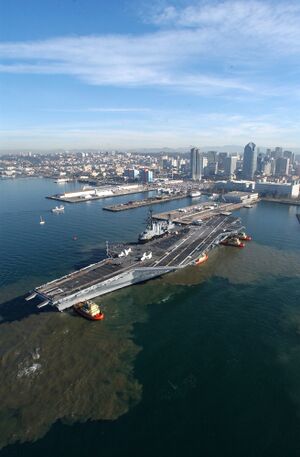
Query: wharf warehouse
{"x": 278, "y": 189}
{"x": 240, "y": 197}
{"x": 99, "y": 191}
{"x": 262, "y": 187}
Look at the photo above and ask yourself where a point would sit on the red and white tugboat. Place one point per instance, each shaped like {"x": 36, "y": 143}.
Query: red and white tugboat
{"x": 203, "y": 258}
{"x": 244, "y": 237}
{"x": 89, "y": 310}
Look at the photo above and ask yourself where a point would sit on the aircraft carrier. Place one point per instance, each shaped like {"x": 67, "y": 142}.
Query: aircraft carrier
{"x": 135, "y": 263}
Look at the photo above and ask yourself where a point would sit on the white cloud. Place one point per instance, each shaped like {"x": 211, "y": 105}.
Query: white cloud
{"x": 99, "y": 110}
{"x": 212, "y": 128}
{"x": 189, "y": 55}
{"x": 159, "y": 59}
{"x": 267, "y": 23}
{"x": 240, "y": 51}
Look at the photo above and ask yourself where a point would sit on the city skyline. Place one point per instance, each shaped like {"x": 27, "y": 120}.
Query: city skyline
{"x": 80, "y": 74}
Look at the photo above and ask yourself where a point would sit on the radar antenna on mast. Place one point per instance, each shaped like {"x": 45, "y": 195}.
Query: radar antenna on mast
{"x": 108, "y": 253}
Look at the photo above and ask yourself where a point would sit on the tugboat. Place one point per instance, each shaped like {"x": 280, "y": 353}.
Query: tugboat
{"x": 155, "y": 229}
{"x": 233, "y": 241}
{"x": 89, "y": 310}
{"x": 58, "y": 209}
{"x": 244, "y": 237}
{"x": 203, "y": 258}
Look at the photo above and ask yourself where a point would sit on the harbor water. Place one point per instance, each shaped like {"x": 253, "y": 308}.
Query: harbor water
{"x": 205, "y": 361}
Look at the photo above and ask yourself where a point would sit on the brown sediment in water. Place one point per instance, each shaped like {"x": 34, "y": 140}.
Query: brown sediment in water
{"x": 61, "y": 367}
{"x": 240, "y": 266}
{"x": 58, "y": 366}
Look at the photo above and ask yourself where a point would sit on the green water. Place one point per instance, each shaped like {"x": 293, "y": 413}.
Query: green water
{"x": 205, "y": 362}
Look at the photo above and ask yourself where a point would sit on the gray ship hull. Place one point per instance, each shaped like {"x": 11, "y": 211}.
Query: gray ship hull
{"x": 125, "y": 279}
{"x": 164, "y": 255}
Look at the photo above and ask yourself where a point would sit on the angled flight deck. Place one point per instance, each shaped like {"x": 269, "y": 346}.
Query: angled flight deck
{"x": 173, "y": 251}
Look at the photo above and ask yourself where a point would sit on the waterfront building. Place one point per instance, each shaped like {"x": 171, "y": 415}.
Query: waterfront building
{"x": 242, "y": 186}
{"x": 146, "y": 175}
{"x": 240, "y": 197}
{"x": 278, "y": 189}
{"x": 249, "y": 161}
{"x": 131, "y": 173}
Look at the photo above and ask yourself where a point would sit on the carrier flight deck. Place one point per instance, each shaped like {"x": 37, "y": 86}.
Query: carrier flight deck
{"x": 133, "y": 263}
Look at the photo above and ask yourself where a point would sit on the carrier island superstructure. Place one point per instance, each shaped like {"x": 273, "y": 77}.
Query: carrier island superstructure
{"x": 136, "y": 262}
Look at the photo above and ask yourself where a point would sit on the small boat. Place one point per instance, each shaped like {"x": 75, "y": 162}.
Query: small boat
{"x": 61, "y": 180}
{"x": 233, "y": 241}
{"x": 244, "y": 237}
{"x": 195, "y": 194}
{"x": 42, "y": 222}
{"x": 203, "y": 258}
{"x": 58, "y": 209}
{"x": 248, "y": 206}
{"x": 89, "y": 310}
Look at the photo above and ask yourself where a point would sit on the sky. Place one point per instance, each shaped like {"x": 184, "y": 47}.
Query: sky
{"x": 123, "y": 74}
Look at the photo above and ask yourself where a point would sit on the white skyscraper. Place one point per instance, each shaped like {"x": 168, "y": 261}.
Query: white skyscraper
{"x": 196, "y": 164}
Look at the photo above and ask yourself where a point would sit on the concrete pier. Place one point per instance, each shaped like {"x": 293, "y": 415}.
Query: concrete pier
{"x": 198, "y": 213}
{"x": 96, "y": 193}
{"x": 145, "y": 202}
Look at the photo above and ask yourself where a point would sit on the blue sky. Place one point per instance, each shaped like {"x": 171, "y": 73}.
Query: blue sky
{"x": 123, "y": 74}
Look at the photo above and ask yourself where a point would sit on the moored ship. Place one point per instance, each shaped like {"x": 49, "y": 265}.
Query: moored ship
{"x": 195, "y": 194}
{"x": 132, "y": 264}
{"x": 155, "y": 229}
{"x": 62, "y": 180}
{"x": 89, "y": 310}
{"x": 58, "y": 209}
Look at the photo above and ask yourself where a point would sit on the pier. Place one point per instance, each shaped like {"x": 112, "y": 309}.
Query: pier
{"x": 96, "y": 193}
{"x": 198, "y": 213}
{"x": 283, "y": 201}
{"x": 145, "y": 202}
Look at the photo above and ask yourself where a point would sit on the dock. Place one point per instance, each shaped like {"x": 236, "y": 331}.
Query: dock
{"x": 197, "y": 213}
{"x": 134, "y": 263}
{"x": 145, "y": 202}
{"x": 283, "y": 201}
{"x": 96, "y": 193}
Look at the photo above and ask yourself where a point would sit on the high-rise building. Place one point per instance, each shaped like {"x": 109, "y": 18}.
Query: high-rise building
{"x": 221, "y": 158}
{"x": 249, "y": 161}
{"x": 289, "y": 155}
{"x": 196, "y": 164}
{"x": 131, "y": 173}
{"x": 282, "y": 166}
{"x": 146, "y": 175}
{"x": 211, "y": 169}
{"x": 230, "y": 165}
{"x": 212, "y": 156}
